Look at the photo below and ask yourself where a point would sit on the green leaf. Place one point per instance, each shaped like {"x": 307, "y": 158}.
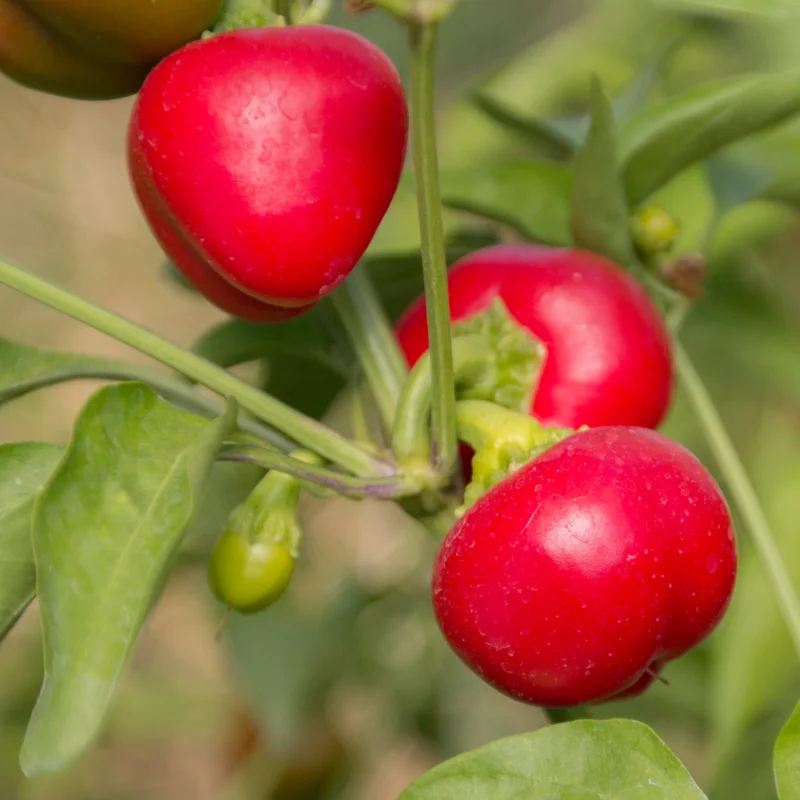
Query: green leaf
{"x": 24, "y": 468}
{"x": 106, "y": 529}
{"x": 735, "y": 9}
{"x": 766, "y": 167}
{"x": 174, "y": 275}
{"x": 600, "y": 218}
{"x": 398, "y": 281}
{"x": 659, "y": 142}
{"x": 638, "y": 91}
{"x": 24, "y": 369}
{"x": 787, "y": 759}
{"x": 307, "y": 360}
{"x": 238, "y": 342}
{"x": 583, "y": 760}
{"x": 559, "y": 138}
{"x": 301, "y": 384}
{"x": 546, "y": 136}
{"x": 532, "y": 197}
{"x": 736, "y": 182}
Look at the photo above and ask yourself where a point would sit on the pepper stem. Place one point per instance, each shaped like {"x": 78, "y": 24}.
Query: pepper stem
{"x": 370, "y": 333}
{"x": 411, "y": 441}
{"x": 423, "y": 126}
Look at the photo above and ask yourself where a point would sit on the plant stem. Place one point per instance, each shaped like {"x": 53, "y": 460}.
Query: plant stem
{"x": 410, "y": 436}
{"x": 358, "y": 415}
{"x": 423, "y": 127}
{"x": 305, "y": 431}
{"x": 371, "y": 335}
{"x": 557, "y": 715}
{"x": 173, "y": 390}
{"x": 741, "y": 491}
{"x": 376, "y": 488}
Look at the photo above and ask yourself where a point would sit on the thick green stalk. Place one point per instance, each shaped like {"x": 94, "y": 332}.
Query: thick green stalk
{"x": 371, "y": 335}
{"x": 741, "y": 491}
{"x": 434, "y": 265}
{"x": 305, "y": 431}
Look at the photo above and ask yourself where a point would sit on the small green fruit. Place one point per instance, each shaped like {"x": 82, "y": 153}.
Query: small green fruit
{"x": 249, "y": 576}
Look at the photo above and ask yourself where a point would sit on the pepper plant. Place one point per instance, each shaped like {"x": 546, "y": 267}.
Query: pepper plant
{"x": 507, "y": 404}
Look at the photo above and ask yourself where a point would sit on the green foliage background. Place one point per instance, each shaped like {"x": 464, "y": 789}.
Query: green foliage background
{"x": 353, "y": 651}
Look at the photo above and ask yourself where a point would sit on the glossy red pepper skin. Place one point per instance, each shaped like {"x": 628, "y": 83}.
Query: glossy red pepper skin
{"x": 95, "y": 49}
{"x": 609, "y": 358}
{"x": 575, "y": 578}
{"x": 267, "y": 158}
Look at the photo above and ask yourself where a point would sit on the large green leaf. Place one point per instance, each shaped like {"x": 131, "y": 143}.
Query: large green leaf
{"x": 547, "y": 137}
{"x": 600, "y": 219}
{"x": 787, "y": 759}
{"x": 308, "y": 337}
{"x": 533, "y": 197}
{"x": 584, "y": 760}
{"x": 24, "y": 369}
{"x": 307, "y": 360}
{"x": 24, "y": 468}
{"x": 559, "y": 138}
{"x": 106, "y": 528}
{"x": 302, "y": 384}
{"x": 660, "y": 141}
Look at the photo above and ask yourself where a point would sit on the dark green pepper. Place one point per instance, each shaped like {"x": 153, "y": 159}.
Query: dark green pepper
{"x": 95, "y": 49}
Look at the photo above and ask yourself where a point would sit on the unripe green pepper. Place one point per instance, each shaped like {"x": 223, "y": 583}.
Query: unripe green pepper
{"x": 249, "y": 576}
{"x": 95, "y": 49}
{"x": 252, "y": 563}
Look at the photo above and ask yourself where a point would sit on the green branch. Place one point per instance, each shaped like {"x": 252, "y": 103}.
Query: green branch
{"x": 742, "y": 492}
{"x": 371, "y": 336}
{"x": 173, "y": 390}
{"x": 305, "y": 431}
{"x": 434, "y": 265}
{"x": 376, "y": 488}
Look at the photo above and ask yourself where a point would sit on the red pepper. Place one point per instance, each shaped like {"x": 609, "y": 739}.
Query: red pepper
{"x": 265, "y": 159}
{"x": 576, "y": 578}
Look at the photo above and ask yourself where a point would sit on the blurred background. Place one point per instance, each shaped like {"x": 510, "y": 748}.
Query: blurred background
{"x": 345, "y": 689}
